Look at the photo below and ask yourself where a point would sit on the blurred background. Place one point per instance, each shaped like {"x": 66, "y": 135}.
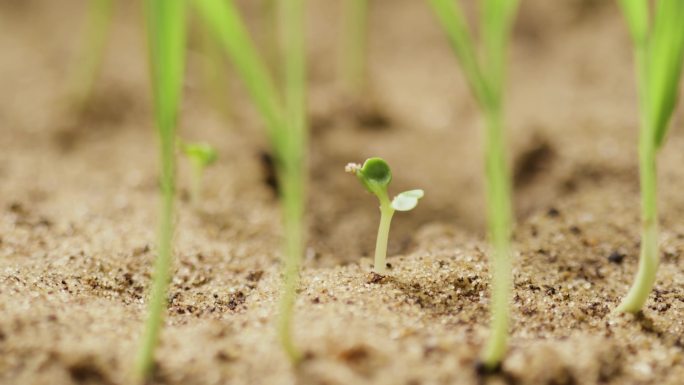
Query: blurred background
{"x": 571, "y": 119}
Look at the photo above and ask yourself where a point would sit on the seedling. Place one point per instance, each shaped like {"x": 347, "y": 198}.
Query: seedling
{"x": 659, "y": 53}
{"x": 166, "y": 40}
{"x": 285, "y": 118}
{"x": 375, "y": 175}
{"x": 200, "y": 155}
{"x": 485, "y": 77}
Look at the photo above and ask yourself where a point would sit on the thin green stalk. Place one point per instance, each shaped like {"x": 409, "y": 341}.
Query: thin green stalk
{"x": 90, "y": 59}
{"x": 291, "y": 18}
{"x": 648, "y": 258}
{"x": 166, "y": 39}
{"x": 292, "y": 192}
{"x": 499, "y": 219}
{"x": 486, "y": 78}
{"x": 450, "y": 16}
{"x": 386, "y": 213}
{"x": 285, "y": 123}
{"x": 659, "y": 53}
{"x": 224, "y": 19}
{"x": 353, "y": 62}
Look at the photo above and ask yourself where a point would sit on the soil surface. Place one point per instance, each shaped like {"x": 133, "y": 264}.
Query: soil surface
{"x": 79, "y": 195}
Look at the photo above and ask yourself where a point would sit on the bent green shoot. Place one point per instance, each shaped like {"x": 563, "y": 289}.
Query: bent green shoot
{"x": 200, "y": 156}
{"x": 659, "y": 53}
{"x": 166, "y": 40}
{"x": 485, "y": 77}
{"x": 285, "y": 118}
{"x": 90, "y": 57}
{"x": 354, "y": 37}
{"x": 375, "y": 175}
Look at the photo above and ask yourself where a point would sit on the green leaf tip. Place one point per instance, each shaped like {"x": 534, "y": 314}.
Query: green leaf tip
{"x": 664, "y": 69}
{"x": 375, "y": 175}
{"x": 201, "y": 153}
{"x": 407, "y": 200}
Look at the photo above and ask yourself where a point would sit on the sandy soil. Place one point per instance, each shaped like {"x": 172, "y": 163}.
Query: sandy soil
{"x": 78, "y": 202}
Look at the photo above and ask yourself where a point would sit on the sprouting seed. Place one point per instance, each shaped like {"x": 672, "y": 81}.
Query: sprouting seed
{"x": 375, "y": 175}
{"x": 200, "y": 156}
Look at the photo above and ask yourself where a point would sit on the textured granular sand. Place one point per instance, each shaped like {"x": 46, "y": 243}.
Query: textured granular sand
{"x": 78, "y": 200}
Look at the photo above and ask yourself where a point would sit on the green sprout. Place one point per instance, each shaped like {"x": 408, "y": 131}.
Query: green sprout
{"x": 90, "y": 58}
{"x": 354, "y": 41}
{"x": 166, "y": 40}
{"x": 658, "y": 55}
{"x": 375, "y": 175}
{"x": 485, "y": 77}
{"x": 200, "y": 156}
{"x": 286, "y": 126}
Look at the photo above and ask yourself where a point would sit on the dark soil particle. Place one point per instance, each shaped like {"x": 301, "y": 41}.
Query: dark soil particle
{"x": 374, "y": 277}
{"x": 268, "y": 171}
{"x": 616, "y": 257}
{"x": 533, "y": 162}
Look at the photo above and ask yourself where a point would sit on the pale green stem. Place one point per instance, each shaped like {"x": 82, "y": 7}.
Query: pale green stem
{"x": 499, "y": 218}
{"x": 354, "y": 44}
{"x": 166, "y": 39}
{"x": 294, "y": 239}
{"x": 486, "y": 83}
{"x": 88, "y": 65}
{"x": 292, "y": 170}
{"x": 386, "y": 213}
{"x": 649, "y": 258}
{"x": 162, "y": 266}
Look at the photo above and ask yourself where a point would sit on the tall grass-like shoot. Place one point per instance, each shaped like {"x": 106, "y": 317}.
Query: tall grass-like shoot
{"x": 485, "y": 77}
{"x": 292, "y": 170}
{"x": 375, "y": 175}
{"x": 224, "y": 19}
{"x": 166, "y": 39}
{"x": 285, "y": 118}
{"x": 659, "y": 51}
{"x": 354, "y": 38}
{"x": 200, "y": 156}
{"x": 90, "y": 58}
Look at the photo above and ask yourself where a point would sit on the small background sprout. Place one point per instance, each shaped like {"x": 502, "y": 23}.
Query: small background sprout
{"x": 200, "y": 155}
{"x": 375, "y": 175}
